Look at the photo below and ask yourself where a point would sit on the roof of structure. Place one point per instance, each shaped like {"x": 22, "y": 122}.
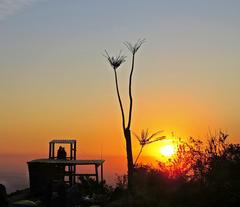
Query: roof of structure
{"x": 63, "y": 141}
{"x": 68, "y": 162}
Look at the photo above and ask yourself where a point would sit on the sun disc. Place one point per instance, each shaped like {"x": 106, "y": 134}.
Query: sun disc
{"x": 167, "y": 150}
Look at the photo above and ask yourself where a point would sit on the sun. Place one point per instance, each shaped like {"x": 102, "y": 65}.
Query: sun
{"x": 167, "y": 150}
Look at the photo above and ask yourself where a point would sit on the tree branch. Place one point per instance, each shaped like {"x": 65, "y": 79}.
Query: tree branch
{"x": 119, "y": 100}
{"x": 130, "y": 93}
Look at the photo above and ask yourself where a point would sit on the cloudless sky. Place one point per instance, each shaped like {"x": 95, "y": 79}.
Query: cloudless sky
{"x": 55, "y": 82}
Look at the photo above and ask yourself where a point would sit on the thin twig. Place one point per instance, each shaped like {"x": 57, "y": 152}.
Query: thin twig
{"x": 139, "y": 155}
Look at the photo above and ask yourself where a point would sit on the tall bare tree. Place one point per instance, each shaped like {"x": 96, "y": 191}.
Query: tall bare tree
{"x": 115, "y": 62}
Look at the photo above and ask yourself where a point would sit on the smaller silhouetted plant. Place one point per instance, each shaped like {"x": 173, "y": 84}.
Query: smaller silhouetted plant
{"x": 145, "y": 139}
{"x": 121, "y": 181}
{"x": 217, "y": 144}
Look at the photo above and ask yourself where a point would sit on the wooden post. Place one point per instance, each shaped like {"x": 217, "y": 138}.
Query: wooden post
{"x": 74, "y": 157}
{"x": 50, "y": 147}
{"x": 96, "y": 171}
{"x": 75, "y": 150}
{"x": 53, "y": 146}
{"x": 70, "y": 174}
{"x": 74, "y": 173}
{"x": 71, "y": 149}
{"x": 102, "y": 172}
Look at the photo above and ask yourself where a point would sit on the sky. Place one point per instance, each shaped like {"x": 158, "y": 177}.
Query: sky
{"x": 55, "y": 82}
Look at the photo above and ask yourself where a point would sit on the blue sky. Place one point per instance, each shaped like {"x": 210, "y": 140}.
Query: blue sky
{"x": 186, "y": 77}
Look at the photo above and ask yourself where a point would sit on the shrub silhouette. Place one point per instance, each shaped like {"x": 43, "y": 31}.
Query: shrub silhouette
{"x": 198, "y": 176}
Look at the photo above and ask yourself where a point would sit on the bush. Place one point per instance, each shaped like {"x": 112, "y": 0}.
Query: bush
{"x": 197, "y": 176}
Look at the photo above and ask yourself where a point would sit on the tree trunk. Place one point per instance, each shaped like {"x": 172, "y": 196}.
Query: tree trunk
{"x": 127, "y": 135}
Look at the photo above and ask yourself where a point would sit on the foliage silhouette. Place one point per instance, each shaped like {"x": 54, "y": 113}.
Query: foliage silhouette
{"x": 200, "y": 175}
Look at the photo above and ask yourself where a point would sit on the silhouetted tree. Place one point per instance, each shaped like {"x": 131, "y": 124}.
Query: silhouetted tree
{"x": 115, "y": 63}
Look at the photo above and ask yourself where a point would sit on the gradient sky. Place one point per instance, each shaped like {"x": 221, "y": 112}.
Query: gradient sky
{"x": 55, "y": 83}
